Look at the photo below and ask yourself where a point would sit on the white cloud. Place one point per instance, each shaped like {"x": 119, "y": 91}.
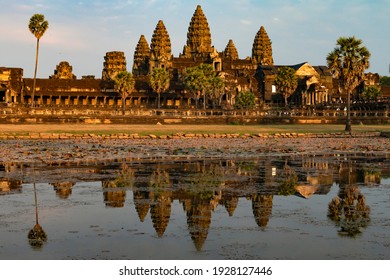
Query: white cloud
{"x": 245, "y": 22}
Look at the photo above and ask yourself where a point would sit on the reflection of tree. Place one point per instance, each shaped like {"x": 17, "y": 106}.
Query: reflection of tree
{"x": 114, "y": 194}
{"x": 262, "y": 209}
{"x": 36, "y": 236}
{"x": 349, "y": 211}
{"x": 288, "y": 181}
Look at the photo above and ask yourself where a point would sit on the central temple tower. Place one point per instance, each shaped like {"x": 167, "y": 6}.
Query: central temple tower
{"x": 198, "y": 36}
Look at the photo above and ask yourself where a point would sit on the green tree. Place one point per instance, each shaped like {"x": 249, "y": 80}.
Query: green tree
{"x": 124, "y": 85}
{"x": 216, "y": 90}
{"x": 201, "y": 79}
{"x": 286, "y": 82}
{"x": 371, "y": 94}
{"x": 38, "y": 26}
{"x": 385, "y": 81}
{"x": 347, "y": 63}
{"x": 245, "y": 100}
{"x": 159, "y": 81}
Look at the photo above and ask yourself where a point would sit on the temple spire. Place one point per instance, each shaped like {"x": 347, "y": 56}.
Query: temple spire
{"x": 141, "y": 57}
{"x": 198, "y": 36}
{"x": 160, "y": 47}
{"x": 262, "y": 48}
{"x": 231, "y": 51}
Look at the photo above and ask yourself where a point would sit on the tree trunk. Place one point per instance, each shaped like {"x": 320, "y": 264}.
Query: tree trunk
{"x": 158, "y": 104}
{"x": 204, "y": 100}
{"x": 35, "y": 74}
{"x": 123, "y": 106}
{"x": 348, "y": 127}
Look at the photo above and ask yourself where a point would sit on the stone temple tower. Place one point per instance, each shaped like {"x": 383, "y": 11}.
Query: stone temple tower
{"x": 160, "y": 48}
{"x": 114, "y": 62}
{"x": 141, "y": 57}
{"x": 262, "y": 48}
{"x": 198, "y": 36}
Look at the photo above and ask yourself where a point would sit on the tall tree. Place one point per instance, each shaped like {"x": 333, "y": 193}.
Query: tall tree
{"x": 38, "y": 26}
{"x": 159, "y": 81}
{"x": 216, "y": 90}
{"x": 199, "y": 80}
{"x": 347, "y": 63}
{"x": 124, "y": 85}
{"x": 286, "y": 82}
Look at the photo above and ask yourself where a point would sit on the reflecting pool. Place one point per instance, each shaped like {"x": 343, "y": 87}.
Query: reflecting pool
{"x": 301, "y": 207}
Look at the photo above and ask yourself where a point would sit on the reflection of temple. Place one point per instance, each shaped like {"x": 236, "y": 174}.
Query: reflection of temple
{"x": 198, "y": 220}
{"x": 8, "y": 186}
{"x": 262, "y": 209}
{"x": 113, "y": 196}
{"x": 63, "y": 189}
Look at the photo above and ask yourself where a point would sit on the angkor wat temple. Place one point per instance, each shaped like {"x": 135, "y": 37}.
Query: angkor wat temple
{"x": 255, "y": 74}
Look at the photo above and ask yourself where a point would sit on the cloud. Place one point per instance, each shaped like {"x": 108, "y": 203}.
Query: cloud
{"x": 246, "y": 22}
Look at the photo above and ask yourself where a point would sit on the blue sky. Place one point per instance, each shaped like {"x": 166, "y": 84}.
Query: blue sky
{"x": 82, "y": 31}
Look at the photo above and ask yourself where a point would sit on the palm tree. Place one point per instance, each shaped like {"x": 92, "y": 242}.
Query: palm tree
{"x": 199, "y": 79}
{"x": 159, "y": 81}
{"x": 124, "y": 85}
{"x": 38, "y": 26}
{"x": 347, "y": 63}
{"x": 286, "y": 82}
{"x": 216, "y": 90}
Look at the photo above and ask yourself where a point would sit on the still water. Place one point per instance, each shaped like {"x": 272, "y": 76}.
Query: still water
{"x": 302, "y": 207}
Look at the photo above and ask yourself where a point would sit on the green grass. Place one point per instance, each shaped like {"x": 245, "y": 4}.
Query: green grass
{"x": 106, "y": 129}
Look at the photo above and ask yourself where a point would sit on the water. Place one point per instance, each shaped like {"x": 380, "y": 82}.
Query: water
{"x": 269, "y": 208}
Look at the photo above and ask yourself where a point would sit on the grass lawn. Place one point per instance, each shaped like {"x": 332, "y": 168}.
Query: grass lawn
{"x": 104, "y": 129}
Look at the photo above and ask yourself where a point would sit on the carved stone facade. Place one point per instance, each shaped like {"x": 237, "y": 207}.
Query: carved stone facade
{"x": 63, "y": 71}
{"x": 114, "y": 62}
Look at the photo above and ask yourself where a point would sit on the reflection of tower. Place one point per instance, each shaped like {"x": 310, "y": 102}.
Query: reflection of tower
{"x": 198, "y": 220}
{"x": 262, "y": 209}
{"x": 230, "y": 201}
{"x": 142, "y": 203}
{"x": 113, "y": 196}
{"x": 64, "y": 189}
{"x": 10, "y": 186}
{"x": 160, "y": 212}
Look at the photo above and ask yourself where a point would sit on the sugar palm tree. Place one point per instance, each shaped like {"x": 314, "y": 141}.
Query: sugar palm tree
{"x": 286, "y": 81}
{"x": 347, "y": 63}
{"x": 124, "y": 85}
{"x": 38, "y": 26}
{"x": 200, "y": 79}
{"x": 159, "y": 81}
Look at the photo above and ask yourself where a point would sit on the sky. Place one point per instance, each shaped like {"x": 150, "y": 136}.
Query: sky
{"x": 82, "y": 31}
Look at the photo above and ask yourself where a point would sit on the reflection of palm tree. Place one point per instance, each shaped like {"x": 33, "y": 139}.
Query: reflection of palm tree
{"x": 36, "y": 236}
{"x": 349, "y": 211}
